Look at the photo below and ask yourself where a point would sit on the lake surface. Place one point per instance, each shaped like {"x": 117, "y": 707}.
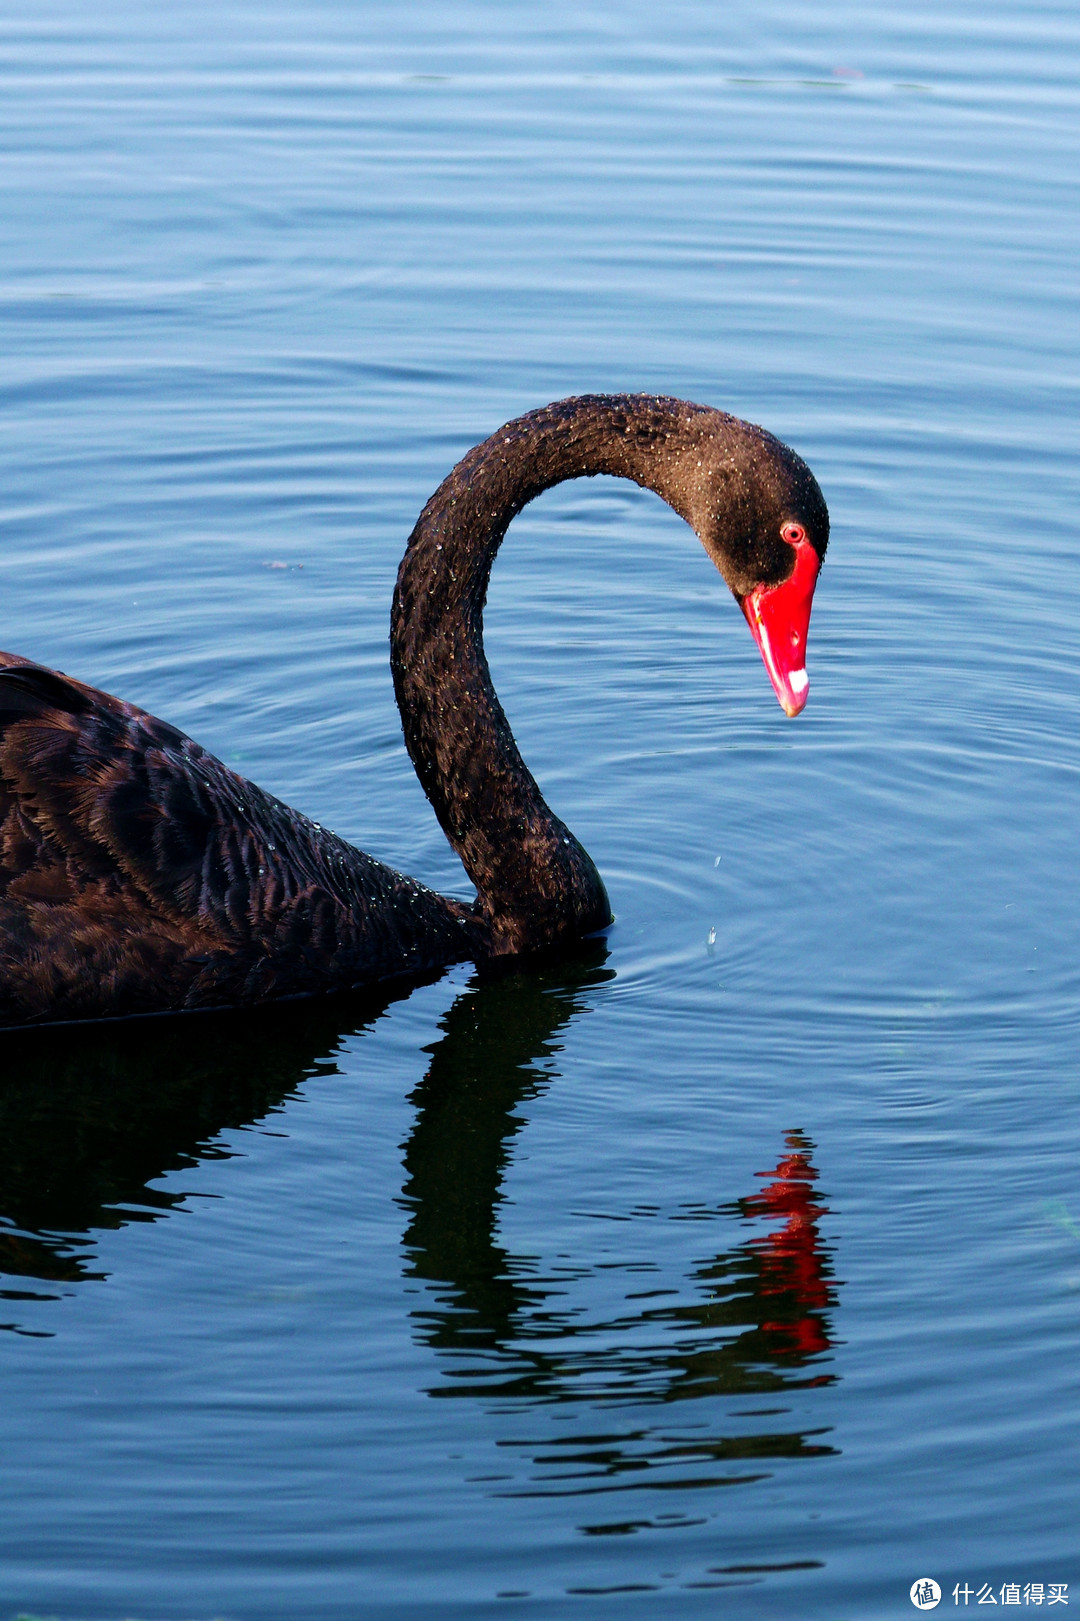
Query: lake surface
{"x": 731, "y": 1268}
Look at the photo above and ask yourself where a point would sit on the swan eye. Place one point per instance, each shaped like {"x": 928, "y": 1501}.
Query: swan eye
{"x": 793, "y": 533}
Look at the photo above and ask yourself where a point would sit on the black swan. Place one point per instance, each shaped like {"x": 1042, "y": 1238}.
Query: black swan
{"x": 140, "y": 875}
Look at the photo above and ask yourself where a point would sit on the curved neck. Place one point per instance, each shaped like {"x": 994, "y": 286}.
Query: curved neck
{"x": 535, "y": 883}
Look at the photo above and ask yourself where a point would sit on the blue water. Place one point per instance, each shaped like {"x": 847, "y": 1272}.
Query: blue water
{"x": 733, "y": 1267}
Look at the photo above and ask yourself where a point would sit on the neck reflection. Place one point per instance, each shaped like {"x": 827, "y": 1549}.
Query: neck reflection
{"x": 758, "y": 1310}
{"x": 746, "y": 1313}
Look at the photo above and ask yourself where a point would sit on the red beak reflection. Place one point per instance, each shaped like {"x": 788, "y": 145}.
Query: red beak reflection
{"x": 793, "y": 1262}
{"x": 779, "y": 620}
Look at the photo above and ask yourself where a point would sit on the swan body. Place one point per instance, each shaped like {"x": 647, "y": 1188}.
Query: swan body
{"x": 138, "y": 874}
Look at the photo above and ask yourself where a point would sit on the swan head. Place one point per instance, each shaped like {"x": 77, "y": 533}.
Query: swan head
{"x": 766, "y": 527}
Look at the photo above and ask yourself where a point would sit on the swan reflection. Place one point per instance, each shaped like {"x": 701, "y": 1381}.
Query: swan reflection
{"x": 750, "y": 1319}
{"x": 611, "y": 1371}
{"x": 92, "y": 1117}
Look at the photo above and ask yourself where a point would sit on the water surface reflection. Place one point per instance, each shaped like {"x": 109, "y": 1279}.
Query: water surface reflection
{"x": 92, "y": 1117}
{"x": 612, "y": 1370}
{"x": 751, "y": 1317}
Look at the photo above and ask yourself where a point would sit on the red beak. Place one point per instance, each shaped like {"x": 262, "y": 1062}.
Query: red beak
{"x": 779, "y": 620}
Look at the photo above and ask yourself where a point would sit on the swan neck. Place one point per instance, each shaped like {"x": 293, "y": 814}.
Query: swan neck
{"x": 535, "y": 884}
